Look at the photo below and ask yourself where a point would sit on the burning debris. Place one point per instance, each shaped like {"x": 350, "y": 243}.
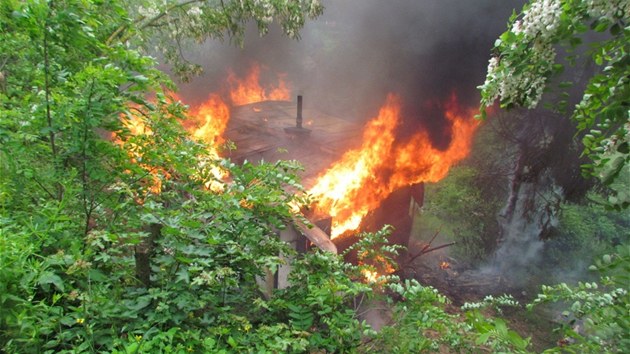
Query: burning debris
{"x": 207, "y": 122}
{"x": 409, "y": 141}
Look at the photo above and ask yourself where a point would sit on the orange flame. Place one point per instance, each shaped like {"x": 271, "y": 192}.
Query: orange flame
{"x": 136, "y": 127}
{"x": 362, "y": 178}
{"x": 370, "y": 276}
{"x": 248, "y": 90}
{"x": 208, "y": 121}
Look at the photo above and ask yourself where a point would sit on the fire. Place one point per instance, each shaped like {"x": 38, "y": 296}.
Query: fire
{"x": 445, "y": 265}
{"x": 370, "y": 276}
{"x": 248, "y": 90}
{"x": 363, "y": 177}
{"x": 136, "y": 127}
{"x": 208, "y": 121}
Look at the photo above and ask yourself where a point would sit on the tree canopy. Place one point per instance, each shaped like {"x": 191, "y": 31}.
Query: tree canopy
{"x": 525, "y": 58}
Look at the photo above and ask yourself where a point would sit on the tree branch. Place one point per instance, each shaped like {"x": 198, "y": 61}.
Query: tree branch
{"x": 47, "y": 91}
{"x": 84, "y": 173}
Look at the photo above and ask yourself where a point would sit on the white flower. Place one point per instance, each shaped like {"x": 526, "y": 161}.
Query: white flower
{"x": 194, "y": 11}
{"x": 493, "y": 63}
{"x": 148, "y": 12}
{"x": 542, "y": 19}
{"x": 517, "y": 27}
{"x": 608, "y": 9}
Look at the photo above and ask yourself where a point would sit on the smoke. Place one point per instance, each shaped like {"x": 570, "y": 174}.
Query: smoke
{"x": 359, "y": 50}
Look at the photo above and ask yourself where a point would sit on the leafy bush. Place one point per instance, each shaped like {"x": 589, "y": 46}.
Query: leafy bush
{"x": 597, "y": 313}
{"x": 458, "y": 208}
{"x": 585, "y": 232}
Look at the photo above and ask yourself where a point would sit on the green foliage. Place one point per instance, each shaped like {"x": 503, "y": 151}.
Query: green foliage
{"x": 602, "y": 309}
{"x": 524, "y": 62}
{"x": 111, "y": 241}
{"x": 585, "y": 231}
{"x": 320, "y": 302}
{"x": 420, "y": 323}
{"x": 461, "y": 208}
{"x": 79, "y": 211}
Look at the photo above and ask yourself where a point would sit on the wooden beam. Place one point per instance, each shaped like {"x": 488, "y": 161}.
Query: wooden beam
{"x": 315, "y": 235}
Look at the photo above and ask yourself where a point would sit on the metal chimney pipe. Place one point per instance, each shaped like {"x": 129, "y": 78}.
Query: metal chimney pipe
{"x": 298, "y": 130}
{"x": 298, "y": 120}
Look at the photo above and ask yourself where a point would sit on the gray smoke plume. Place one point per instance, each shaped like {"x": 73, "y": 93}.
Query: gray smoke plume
{"x": 350, "y": 58}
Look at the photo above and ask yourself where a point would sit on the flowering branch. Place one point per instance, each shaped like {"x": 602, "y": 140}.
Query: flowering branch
{"x": 525, "y": 59}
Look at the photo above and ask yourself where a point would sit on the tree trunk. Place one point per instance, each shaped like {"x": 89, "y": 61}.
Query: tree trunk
{"x": 144, "y": 252}
{"x": 529, "y": 214}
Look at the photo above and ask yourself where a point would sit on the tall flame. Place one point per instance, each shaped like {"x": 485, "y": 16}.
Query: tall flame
{"x": 364, "y": 177}
{"x": 208, "y": 121}
{"x": 248, "y": 89}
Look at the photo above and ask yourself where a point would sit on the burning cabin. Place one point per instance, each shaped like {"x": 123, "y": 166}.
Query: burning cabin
{"x": 272, "y": 130}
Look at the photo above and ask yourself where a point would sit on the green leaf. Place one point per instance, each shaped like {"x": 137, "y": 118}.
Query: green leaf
{"x": 482, "y": 339}
{"x": 599, "y": 60}
{"x": 47, "y": 278}
{"x": 612, "y": 170}
{"x": 68, "y": 321}
{"x": 500, "y": 326}
{"x": 565, "y": 84}
{"x": 575, "y": 41}
{"x": 139, "y": 79}
{"x": 97, "y": 275}
{"x": 209, "y": 343}
{"x": 516, "y": 340}
{"x": 599, "y": 26}
{"x": 132, "y": 348}
{"x": 615, "y": 29}
{"x": 139, "y": 303}
{"x": 182, "y": 276}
